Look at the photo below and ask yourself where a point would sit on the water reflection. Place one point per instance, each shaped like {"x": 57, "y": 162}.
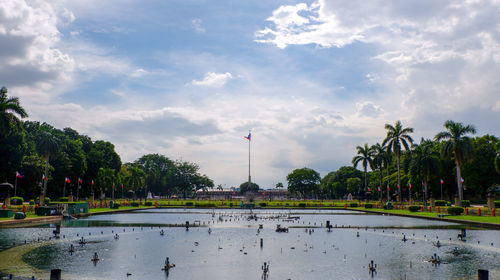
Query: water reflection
{"x": 226, "y": 244}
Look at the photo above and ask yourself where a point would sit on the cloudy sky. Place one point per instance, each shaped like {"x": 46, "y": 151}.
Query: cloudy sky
{"x": 311, "y": 79}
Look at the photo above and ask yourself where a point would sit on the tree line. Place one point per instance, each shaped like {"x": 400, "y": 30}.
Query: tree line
{"x": 453, "y": 163}
{"x": 54, "y": 162}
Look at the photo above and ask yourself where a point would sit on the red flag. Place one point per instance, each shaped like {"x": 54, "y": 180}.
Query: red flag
{"x": 122, "y": 186}
{"x": 442, "y": 182}
{"x": 410, "y": 186}
{"x": 423, "y": 184}
{"x": 461, "y": 180}
{"x": 113, "y": 185}
{"x": 93, "y": 182}
{"x": 398, "y": 186}
{"x": 18, "y": 175}
{"x": 80, "y": 181}
{"x": 67, "y": 180}
{"x": 44, "y": 178}
{"x": 388, "y": 188}
{"x": 379, "y": 189}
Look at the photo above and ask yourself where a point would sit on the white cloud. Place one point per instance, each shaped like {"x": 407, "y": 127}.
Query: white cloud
{"x": 213, "y": 79}
{"x": 197, "y": 25}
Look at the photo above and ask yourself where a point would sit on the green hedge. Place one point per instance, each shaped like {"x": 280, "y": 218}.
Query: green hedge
{"x": 47, "y": 200}
{"x": 441, "y": 202}
{"x": 148, "y": 203}
{"x": 116, "y": 206}
{"x": 497, "y": 204}
{"x": 465, "y": 203}
{"x": 263, "y": 204}
{"x": 302, "y": 204}
{"x": 16, "y": 200}
{"x": 353, "y": 204}
{"x": 414, "y": 208}
{"x": 368, "y": 205}
{"x": 189, "y": 203}
{"x": 63, "y": 199}
{"x": 134, "y": 204}
{"x": 455, "y": 210}
{"x": 204, "y": 204}
{"x": 32, "y": 202}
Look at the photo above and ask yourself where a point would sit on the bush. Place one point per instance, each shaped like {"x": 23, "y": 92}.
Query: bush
{"x": 263, "y": 204}
{"x": 32, "y": 202}
{"x": 134, "y": 204}
{"x": 203, "y": 204}
{"x": 497, "y": 204}
{"x": 63, "y": 199}
{"x": 465, "y": 203}
{"x": 16, "y": 200}
{"x": 353, "y": 204}
{"x": 441, "y": 202}
{"x": 455, "y": 210}
{"x": 189, "y": 203}
{"x": 368, "y": 205}
{"x": 302, "y": 204}
{"x": 116, "y": 206}
{"x": 148, "y": 203}
{"x": 414, "y": 208}
{"x": 230, "y": 205}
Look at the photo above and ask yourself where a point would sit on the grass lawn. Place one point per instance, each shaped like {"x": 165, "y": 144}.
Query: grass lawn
{"x": 482, "y": 219}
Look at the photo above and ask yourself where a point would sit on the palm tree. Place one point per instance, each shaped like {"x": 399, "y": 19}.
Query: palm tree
{"x": 365, "y": 157}
{"x": 397, "y": 136}
{"x": 423, "y": 161}
{"x": 137, "y": 178}
{"x": 219, "y": 187}
{"x": 497, "y": 158}
{"x": 457, "y": 145}
{"x": 47, "y": 146}
{"x": 381, "y": 159}
{"x": 10, "y": 109}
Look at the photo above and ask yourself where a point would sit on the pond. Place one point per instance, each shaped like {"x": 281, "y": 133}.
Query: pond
{"x": 226, "y": 244}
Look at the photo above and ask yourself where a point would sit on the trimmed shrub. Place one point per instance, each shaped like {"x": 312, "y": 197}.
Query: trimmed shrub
{"x": 353, "y": 204}
{"x": 134, "y": 204}
{"x": 202, "y": 204}
{"x": 16, "y": 200}
{"x": 116, "y": 206}
{"x": 465, "y": 203}
{"x": 263, "y": 204}
{"x": 368, "y": 205}
{"x": 148, "y": 203}
{"x": 32, "y": 202}
{"x": 189, "y": 203}
{"x": 497, "y": 204}
{"x": 441, "y": 202}
{"x": 414, "y": 208}
{"x": 230, "y": 205}
{"x": 302, "y": 204}
{"x": 455, "y": 210}
{"x": 63, "y": 199}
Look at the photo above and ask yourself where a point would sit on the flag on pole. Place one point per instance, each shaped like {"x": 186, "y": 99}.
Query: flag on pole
{"x": 67, "y": 180}
{"x": 423, "y": 185}
{"x": 122, "y": 186}
{"x": 388, "y": 188}
{"x": 44, "y": 178}
{"x": 461, "y": 180}
{"x": 80, "y": 181}
{"x": 249, "y": 137}
{"x": 18, "y": 175}
{"x": 113, "y": 185}
{"x": 399, "y": 186}
{"x": 369, "y": 189}
{"x": 92, "y": 182}
{"x": 379, "y": 189}
{"x": 442, "y": 182}
{"x": 410, "y": 186}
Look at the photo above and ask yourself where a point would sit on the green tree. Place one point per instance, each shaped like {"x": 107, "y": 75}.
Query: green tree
{"x": 497, "y": 158}
{"x": 244, "y": 188}
{"x": 10, "y": 111}
{"x": 353, "y": 185}
{"x": 159, "y": 171}
{"x": 457, "y": 145}
{"x": 47, "y": 146}
{"x": 106, "y": 177}
{"x": 279, "y": 185}
{"x": 136, "y": 178}
{"x": 304, "y": 181}
{"x": 423, "y": 162}
{"x": 365, "y": 157}
{"x": 398, "y": 135}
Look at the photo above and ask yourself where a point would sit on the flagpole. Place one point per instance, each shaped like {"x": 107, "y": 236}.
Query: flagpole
{"x": 249, "y": 177}
{"x": 15, "y": 188}
{"x": 64, "y": 189}
{"x": 78, "y": 190}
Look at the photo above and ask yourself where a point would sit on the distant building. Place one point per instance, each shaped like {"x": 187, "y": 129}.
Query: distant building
{"x": 272, "y": 194}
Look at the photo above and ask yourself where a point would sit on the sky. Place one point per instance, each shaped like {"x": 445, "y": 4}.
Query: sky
{"x": 311, "y": 79}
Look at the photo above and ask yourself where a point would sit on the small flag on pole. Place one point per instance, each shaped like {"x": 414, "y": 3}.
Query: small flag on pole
{"x": 44, "y": 178}
{"x": 410, "y": 186}
{"x": 122, "y": 186}
{"x": 388, "y": 188}
{"x": 18, "y": 175}
{"x": 93, "y": 182}
{"x": 379, "y": 189}
{"x": 249, "y": 137}
{"x": 80, "y": 181}
{"x": 462, "y": 180}
{"x": 442, "y": 182}
{"x": 67, "y": 180}
{"x": 399, "y": 186}
{"x": 369, "y": 189}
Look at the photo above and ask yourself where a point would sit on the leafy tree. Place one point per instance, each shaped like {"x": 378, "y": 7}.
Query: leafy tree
{"x": 159, "y": 171}
{"x": 304, "y": 181}
{"x": 423, "y": 162}
{"x": 279, "y": 185}
{"x": 497, "y": 158}
{"x": 397, "y": 135}
{"x": 327, "y": 186}
{"x": 457, "y": 145}
{"x": 10, "y": 111}
{"x": 365, "y": 157}
{"x": 353, "y": 184}
{"x": 136, "y": 177}
{"x": 337, "y": 180}
{"x": 106, "y": 177}
{"x": 47, "y": 146}
{"x": 244, "y": 188}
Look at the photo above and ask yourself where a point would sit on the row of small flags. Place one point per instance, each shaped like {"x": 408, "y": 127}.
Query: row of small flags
{"x": 409, "y": 185}
{"x": 67, "y": 180}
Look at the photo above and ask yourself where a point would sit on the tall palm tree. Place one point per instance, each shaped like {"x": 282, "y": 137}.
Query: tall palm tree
{"x": 423, "y": 161}
{"x": 10, "y": 109}
{"x": 497, "y": 158}
{"x": 364, "y": 155}
{"x": 398, "y": 135}
{"x": 381, "y": 159}
{"x": 137, "y": 178}
{"x": 457, "y": 145}
{"x": 47, "y": 146}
